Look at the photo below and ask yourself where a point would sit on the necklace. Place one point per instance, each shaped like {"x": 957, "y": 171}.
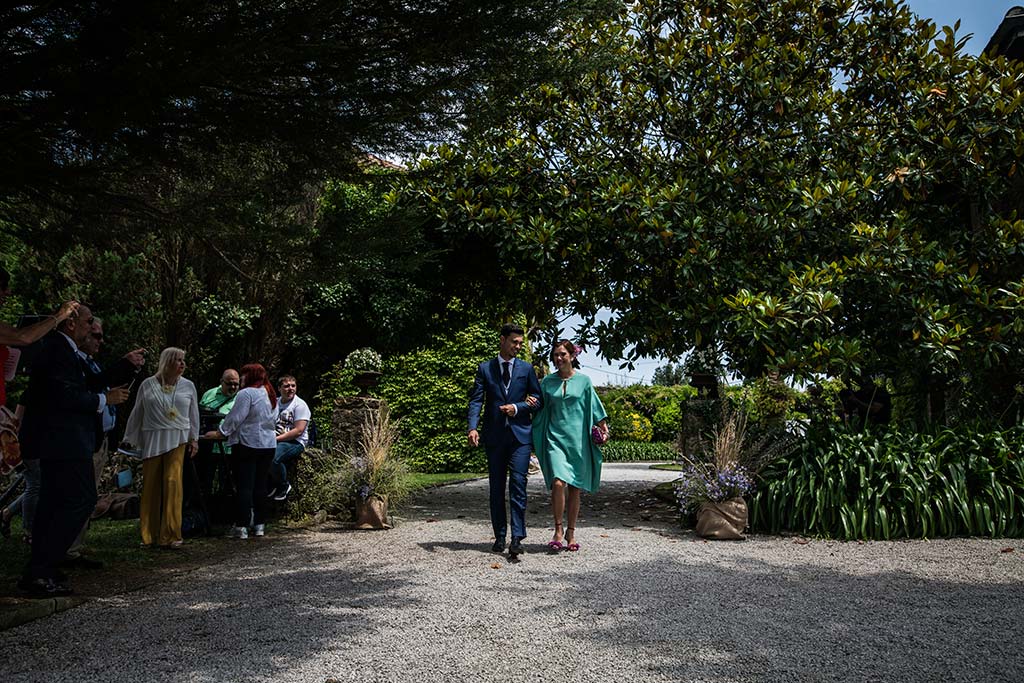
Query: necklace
{"x": 171, "y": 411}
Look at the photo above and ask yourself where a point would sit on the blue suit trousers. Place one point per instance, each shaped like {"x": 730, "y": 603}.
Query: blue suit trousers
{"x": 508, "y": 458}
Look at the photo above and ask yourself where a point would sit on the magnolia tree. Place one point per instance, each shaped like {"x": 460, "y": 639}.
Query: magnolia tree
{"x": 818, "y": 186}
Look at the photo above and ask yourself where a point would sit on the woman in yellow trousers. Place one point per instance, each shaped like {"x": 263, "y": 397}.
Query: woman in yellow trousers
{"x": 164, "y": 426}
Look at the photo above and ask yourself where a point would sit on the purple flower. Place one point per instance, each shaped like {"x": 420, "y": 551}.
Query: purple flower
{"x": 701, "y": 483}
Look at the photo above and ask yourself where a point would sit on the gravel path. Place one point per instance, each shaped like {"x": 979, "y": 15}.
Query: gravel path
{"x": 642, "y": 601}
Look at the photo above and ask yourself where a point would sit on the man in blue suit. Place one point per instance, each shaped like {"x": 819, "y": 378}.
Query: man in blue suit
{"x": 62, "y": 415}
{"x": 500, "y": 390}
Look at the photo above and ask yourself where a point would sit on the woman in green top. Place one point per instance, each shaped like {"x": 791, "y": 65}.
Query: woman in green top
{"x": 562, "y": 439}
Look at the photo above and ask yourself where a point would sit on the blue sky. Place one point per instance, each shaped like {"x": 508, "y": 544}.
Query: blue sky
{"x": 978, "y": 17}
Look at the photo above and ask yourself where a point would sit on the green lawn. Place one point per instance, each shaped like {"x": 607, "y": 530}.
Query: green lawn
{"x": 113, "y": 542}
{"x": 671, "y": 466}
{"x": 424, "y": 480}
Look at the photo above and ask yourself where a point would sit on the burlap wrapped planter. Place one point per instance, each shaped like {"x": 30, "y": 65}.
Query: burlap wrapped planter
{"x": 372, "y": 513}
{"x": 723, "y": 521}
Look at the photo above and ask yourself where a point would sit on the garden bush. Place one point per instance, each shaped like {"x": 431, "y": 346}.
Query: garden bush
{"x": 316, "y": 481}
{"x": 618, "y": 450}
{"x": 427, "y": 390}
{"x": 893, "y": 484}
{"x": 642, "y": 413}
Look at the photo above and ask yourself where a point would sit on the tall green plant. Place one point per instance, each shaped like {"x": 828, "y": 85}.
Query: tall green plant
{"x": 896, "y": 484}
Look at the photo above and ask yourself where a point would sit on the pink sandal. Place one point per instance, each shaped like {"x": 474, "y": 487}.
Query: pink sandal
{"x": 553, "y": 545}
{"x": 572, "y": 547}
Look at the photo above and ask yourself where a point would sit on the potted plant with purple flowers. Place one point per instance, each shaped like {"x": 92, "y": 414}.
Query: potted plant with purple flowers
{"x": 714, "y": 486}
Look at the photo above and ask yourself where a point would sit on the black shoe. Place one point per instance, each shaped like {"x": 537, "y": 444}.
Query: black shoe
{"x": 43, "y": 588}
{"x": 499, "y": 546}
{"x": 517, "y": 547}
{"x": 81, "y": 562}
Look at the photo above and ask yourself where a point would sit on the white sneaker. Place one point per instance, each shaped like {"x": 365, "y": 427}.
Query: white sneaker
{"x": 238, "y": 532}
{"x": 260, "y": 530}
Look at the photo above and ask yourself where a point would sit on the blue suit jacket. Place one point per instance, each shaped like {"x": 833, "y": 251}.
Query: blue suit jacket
{"x": 489, "y": 393}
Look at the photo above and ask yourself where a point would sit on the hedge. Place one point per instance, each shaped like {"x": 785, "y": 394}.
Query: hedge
{"x": 631, "y": 451}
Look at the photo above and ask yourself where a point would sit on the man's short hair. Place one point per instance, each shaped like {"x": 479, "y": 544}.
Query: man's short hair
{"x": 281, "y": 380}
{"x": 509, "y": 328}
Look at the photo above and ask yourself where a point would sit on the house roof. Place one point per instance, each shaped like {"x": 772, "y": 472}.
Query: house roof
{"x": 1008, "y": 39}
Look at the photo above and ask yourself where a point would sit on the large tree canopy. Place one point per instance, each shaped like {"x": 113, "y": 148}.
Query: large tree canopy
{"x": 816, "y": 185}
{"x": 105, "y": 104}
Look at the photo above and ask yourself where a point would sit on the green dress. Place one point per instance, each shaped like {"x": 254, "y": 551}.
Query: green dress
{"x": 561, "y": 431}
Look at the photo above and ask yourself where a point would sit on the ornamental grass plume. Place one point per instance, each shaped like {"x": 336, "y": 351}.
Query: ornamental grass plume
{"x": 729, "y": 467}
{"x": 374, "y": 469}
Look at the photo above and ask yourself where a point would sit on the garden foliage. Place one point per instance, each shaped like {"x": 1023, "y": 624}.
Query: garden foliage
{"x": 633, "y": 451}
{"x": 643, "y": 413}
{"x": 428, "y": 391}
{"x": 819, "y": 186}
{"x": 893, "y": 484}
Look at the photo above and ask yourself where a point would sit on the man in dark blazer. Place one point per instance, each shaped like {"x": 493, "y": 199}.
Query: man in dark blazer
{"x": 59, "y": 429}
{"x": 500, "y": 390}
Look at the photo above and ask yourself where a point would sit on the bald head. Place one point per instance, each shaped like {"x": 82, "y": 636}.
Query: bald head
{"x": 79, "y": 325}
{"x": 229, "y": 382}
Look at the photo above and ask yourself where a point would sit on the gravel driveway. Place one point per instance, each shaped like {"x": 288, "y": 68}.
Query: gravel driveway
{"x": 642, "y": 601}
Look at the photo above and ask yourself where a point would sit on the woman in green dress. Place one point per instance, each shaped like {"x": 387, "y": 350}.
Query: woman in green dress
{"x": 562, "y": 439}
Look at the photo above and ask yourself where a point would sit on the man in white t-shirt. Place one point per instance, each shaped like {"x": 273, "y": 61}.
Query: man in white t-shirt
{"x": 292, "y": 435}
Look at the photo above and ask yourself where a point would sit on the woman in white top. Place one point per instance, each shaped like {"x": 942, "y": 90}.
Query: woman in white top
{"x": 164, "y": 425}
{"x": 250, "y": 431}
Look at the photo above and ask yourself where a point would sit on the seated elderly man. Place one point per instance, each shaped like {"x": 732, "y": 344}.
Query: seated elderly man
{"x": 213, "y": 406}
{"x": 292, "y": 435}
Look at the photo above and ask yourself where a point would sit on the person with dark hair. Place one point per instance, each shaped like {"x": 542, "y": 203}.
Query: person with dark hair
{"x": 59, "y": 430}
{"x": 293, "y": 417}
{"x": 500, "y": 390}
{"x": 249, "y": 429}
{"x": 164, "y": 425}
{"x": 564, "y": 438}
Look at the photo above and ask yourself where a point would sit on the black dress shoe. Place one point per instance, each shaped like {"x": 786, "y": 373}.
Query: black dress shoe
{"x": 499, "y": 545}
{"x": 43, "y": 588}
{"x": 517, "y": 547}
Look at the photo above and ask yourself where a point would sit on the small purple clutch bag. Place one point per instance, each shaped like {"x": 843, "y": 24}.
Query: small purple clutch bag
{"x": 598, "y": 436}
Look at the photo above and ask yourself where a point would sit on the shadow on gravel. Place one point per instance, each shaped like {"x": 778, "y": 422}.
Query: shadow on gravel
{"x": 248, "y": 622}
{"x": 758, "y": 621}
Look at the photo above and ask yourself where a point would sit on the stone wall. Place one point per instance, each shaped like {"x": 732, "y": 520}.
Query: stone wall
{"x": 350, "y": 413}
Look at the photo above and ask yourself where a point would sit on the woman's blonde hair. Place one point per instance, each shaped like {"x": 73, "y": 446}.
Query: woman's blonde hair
{"x": 168, "y": 356}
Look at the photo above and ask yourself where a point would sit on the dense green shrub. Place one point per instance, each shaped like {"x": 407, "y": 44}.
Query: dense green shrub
{"x": 428, "y": 392}
{"x": 629, "y": 425}
{"x": 880, "y": 485}
{"x": 617, "y": 450}
{"x": 642, "y": 413}
{"x": 769, "y": 400}
{"x": 644, "y": 399}
{"x": 667, "y": 422}
{"x": 317, "y": 485}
